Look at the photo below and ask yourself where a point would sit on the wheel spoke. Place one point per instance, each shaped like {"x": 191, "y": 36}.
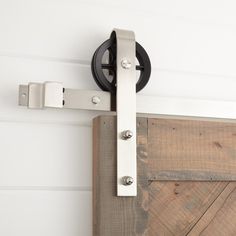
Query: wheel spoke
{"x": 108, "y": 66}
{"x": 111, "y": 67}
{"x": 139, "y": 67}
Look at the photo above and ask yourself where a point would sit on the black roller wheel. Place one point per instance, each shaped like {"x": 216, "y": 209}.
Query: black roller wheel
{"x": 107, "y": 81}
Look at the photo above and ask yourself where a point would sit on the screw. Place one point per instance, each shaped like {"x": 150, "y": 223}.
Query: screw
{"x": 126, "y": 64}
{"x": 23, "y": 95}
{"x": 127, "y": 180}
{"x": 96, "y": 100}
{"x": 127, "y": 134}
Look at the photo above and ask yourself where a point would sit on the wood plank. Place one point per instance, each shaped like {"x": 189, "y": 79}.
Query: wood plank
{"x": 114, "y": 215}
{"x": 175, "y": 207}
{"x": 191, "y": 150}
{"x": 168, "y": 149}
{"x": 220, "y": 218}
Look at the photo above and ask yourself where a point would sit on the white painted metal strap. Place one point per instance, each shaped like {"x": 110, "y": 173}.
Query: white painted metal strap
{"x": 41, "y": 95}
{"x": 36, "y": 96}
{"x": 126, "y": 113}
{"x": 87, "y": 99}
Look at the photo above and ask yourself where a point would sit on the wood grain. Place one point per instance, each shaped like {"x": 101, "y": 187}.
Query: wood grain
{"x": 220, "y": 218}
{"x": 175, "y": 207}
{"x": 191, "y": 150}
{"x": 185, "y": 169}
{"x": 117, "y": 216}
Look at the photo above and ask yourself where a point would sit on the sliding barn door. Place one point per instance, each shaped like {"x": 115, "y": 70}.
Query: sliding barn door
{"x": 186, "y": 174}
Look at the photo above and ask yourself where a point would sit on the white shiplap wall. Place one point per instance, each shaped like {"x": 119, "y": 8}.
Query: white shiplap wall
{"x": 46, "y": 156}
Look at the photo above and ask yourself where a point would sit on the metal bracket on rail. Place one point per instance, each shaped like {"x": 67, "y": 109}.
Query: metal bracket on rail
{"x": 117, "y": 77}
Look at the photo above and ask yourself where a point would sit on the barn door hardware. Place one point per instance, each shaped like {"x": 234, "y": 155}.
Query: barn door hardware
{"x": 116, "y": 76}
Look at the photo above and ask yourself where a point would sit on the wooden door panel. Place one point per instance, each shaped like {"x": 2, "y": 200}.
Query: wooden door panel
{"x": 178, "y": 206}
{"x": 191, "y": 150}
{"x": 185, "y": 174}
{"x": 220, "y": 217}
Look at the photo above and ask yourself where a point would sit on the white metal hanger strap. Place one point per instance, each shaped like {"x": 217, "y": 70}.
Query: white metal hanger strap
{"x": 35, "y": 96}
{"x": 126, "y": 113}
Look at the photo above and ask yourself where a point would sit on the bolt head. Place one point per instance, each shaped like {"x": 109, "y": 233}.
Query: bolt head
{"x": 23, "y": 95}
{"x": 127, "y": 180}
{"x": 126, "y": 64}
{"x": 127, "y": 134}
{"x": 96, "y": 100}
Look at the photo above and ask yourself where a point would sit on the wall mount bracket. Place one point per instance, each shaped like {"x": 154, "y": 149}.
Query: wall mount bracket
{"x": 123, "y": 51}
